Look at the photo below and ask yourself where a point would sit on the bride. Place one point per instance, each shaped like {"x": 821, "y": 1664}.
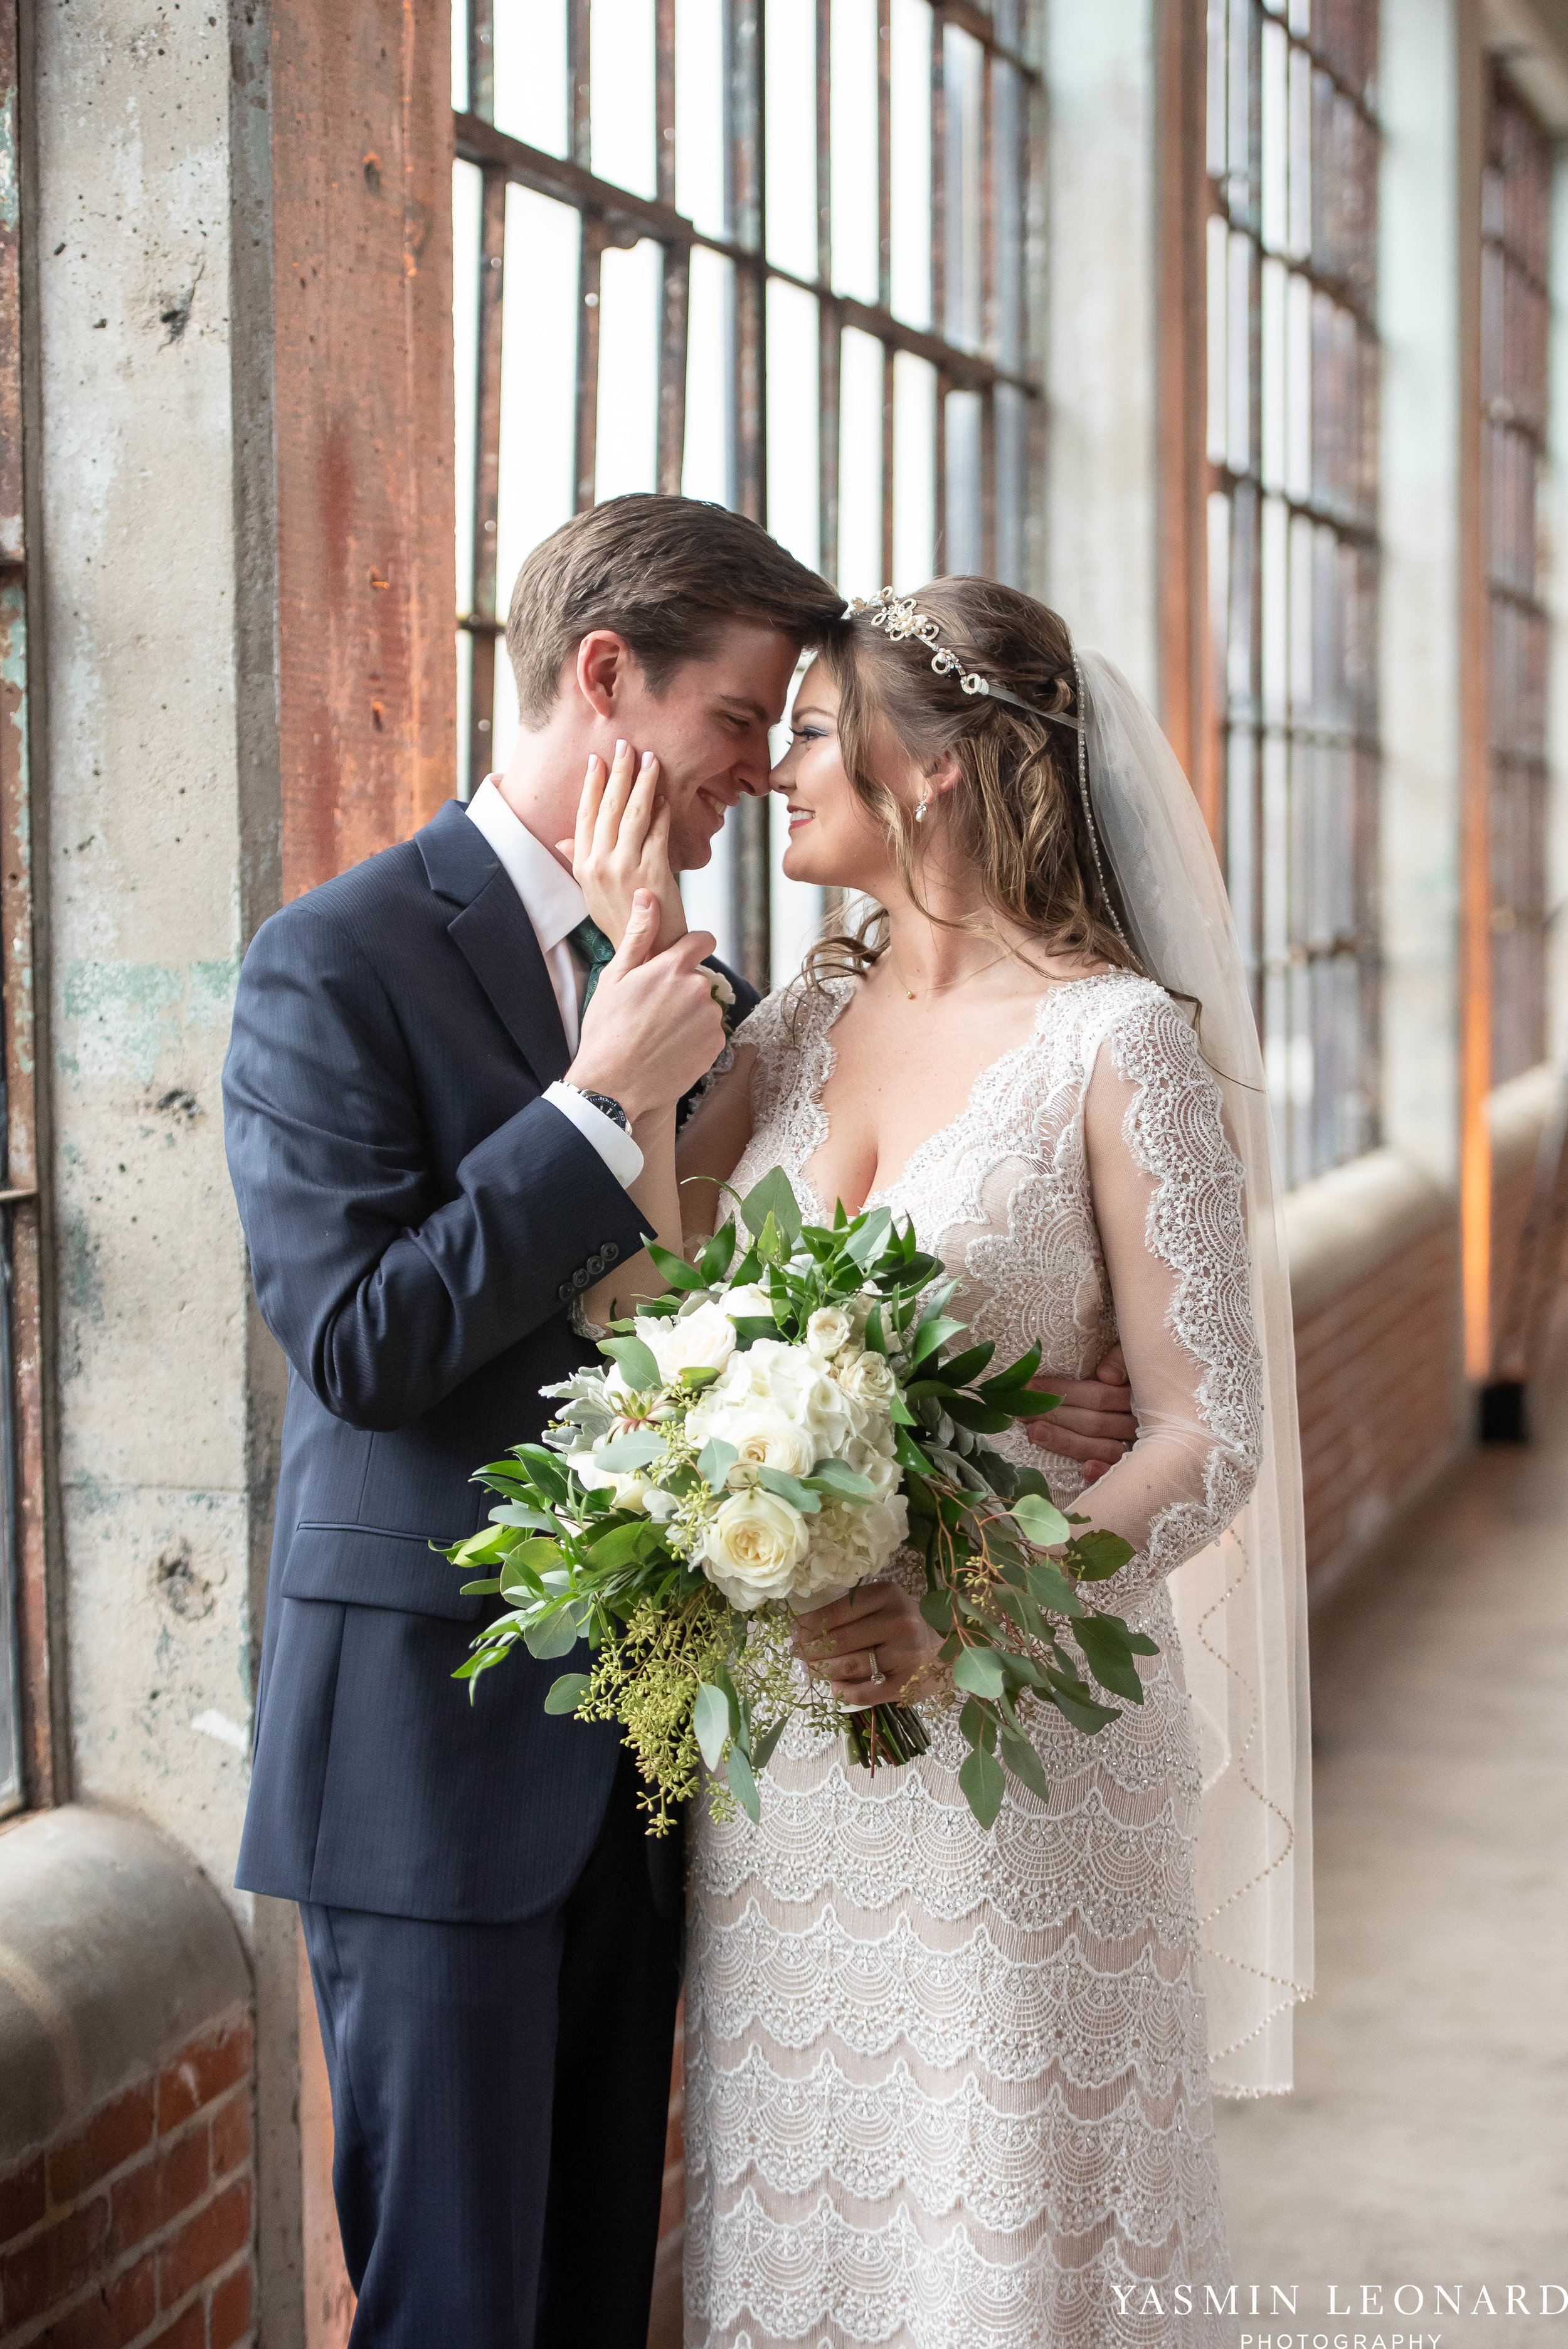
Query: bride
{"x": 945, "y": 2087}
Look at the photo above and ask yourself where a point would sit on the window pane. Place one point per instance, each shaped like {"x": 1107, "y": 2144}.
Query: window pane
{"x": 965, "y": 551}
{"x": 530, "y": 87}
{"x": 624, "y": 127}
{"x": 793, "y": 486}
{"x": 861, "y": 465}
{"x": 1011, "y": 486}
{"x": 913, "y": 471}
{"x": 708, "y": 466}
{"x": 467, "y": 782}
{"x": 964, "y": 75}
{"x": 461, "y": 56}
{"x": 791, "y": 140}
{"x": 538, "y": 404}
{"x": 1009, "y": 125}
{"x": 468, "y": 198}
{"x": 912, "y": 35}
{"x": 627, "y": 452}
{"x": 855, "y": 252}
{"x": 700, "y": 115}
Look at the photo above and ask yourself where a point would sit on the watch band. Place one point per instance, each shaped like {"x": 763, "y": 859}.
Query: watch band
{"x": 605, "y": 1103}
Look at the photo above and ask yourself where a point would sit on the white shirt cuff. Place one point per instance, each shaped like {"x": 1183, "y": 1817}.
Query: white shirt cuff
{"x": 613, "y": 1145}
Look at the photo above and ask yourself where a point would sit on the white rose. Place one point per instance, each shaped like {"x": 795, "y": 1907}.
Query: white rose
{"x": 749, "y": 1302}
{"x": 828, "y": 1330}
{"x": 760, "y": 1433}
{"x": 866, "y": 1377}
{"x": 719, "y": 987}
{"x": 752, "y": 1547}
{"x": 700, "y": 1340}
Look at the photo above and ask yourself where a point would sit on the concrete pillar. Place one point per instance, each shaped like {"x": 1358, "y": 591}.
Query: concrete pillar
{"x": 1101, "y": 561}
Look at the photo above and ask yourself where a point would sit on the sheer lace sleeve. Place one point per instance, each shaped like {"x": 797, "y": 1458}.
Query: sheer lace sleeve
{"x": 1167, "y": 1194}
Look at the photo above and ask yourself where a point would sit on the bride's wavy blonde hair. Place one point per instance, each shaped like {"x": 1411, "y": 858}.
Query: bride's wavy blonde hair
{"x": 1015, "y": 816}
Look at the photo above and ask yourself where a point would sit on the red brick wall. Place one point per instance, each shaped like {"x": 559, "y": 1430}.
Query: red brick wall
{"x": 1377, "y": 1370}
{"x": 136, "y": 2229}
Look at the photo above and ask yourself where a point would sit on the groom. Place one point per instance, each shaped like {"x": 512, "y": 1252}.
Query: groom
{"x": 430, "y": 1113}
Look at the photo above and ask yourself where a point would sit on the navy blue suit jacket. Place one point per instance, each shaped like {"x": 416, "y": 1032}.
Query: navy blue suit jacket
{"x": 418, "y": 1220}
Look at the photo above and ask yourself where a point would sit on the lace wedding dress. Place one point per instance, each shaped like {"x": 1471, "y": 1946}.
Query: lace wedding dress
{"x": 944, "y": 2088}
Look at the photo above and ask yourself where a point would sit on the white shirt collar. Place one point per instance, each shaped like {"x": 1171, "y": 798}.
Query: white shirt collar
{"x": 550, "y": 897}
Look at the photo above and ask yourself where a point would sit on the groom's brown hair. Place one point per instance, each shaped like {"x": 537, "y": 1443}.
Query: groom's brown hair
{"x": 667, "y": 573}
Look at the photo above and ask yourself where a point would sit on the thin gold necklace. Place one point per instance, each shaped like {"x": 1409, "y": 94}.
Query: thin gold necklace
{"x": 943, "y": 986}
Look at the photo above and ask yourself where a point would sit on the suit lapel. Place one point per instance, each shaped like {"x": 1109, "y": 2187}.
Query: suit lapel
{"x": 495, "y": 938}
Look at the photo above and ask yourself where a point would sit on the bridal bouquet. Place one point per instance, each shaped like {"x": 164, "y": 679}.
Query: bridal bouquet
{"x": 760, "y": 1440}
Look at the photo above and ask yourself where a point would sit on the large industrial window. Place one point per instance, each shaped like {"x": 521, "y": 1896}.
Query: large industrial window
{"x": 1514, "y": 328}
{"x": 1293, "y": 549}
{"x": 770, "y": 254}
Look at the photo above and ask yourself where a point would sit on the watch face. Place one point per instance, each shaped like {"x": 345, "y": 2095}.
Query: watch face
{"x": 612, "y": 1109}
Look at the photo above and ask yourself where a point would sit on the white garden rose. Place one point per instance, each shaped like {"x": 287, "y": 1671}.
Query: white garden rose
{"x": 828, "y": 1330}
{"x": 866, "y": 1377}
{"x": 703, "y": 1340}
{"x": 752, "y": 1549}
{"x": 761, "y": 1435}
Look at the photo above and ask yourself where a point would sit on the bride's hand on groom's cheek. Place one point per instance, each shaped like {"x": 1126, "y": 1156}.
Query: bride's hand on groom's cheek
{"x": 837, "y": 1641}
{"x": 622, "y": 844}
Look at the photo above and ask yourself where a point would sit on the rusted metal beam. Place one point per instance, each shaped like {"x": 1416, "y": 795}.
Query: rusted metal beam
{"x": 363, "y": 271}
{"x": 31, "y": 1767}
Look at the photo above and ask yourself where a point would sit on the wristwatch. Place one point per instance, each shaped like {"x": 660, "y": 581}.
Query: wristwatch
{"x": 604, "y": 1101}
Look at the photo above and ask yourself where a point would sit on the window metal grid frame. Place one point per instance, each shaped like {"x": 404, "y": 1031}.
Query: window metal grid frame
{"x": 613, "y": 216}
{"x": 1297, "y": 758}
{"x": 1515, "y": 329}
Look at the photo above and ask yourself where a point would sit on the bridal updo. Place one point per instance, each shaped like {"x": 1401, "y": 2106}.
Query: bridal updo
{"x": 1015, "y": 815}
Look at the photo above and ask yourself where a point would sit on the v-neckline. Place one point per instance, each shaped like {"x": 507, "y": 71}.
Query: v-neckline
{"x": 827, "y": 1060}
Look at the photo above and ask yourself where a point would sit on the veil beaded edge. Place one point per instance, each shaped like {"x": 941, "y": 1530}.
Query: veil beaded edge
{"x": 1240, "y": 1604}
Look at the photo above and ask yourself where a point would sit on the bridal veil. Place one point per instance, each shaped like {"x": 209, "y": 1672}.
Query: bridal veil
{"x": 1239, "y": 1605}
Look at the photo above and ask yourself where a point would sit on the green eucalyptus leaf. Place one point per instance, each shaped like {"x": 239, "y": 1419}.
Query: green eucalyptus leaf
{"x": 772, "y": 1197}
{"x": 714, "y": 1463}
{"x": 555, "y": 1634}
{"x": 983, "y": 1784}
{"x": 1025, "y": 1763}
{"x": 630, "y": 1451}
{"x": 710, "y": 1723}
{"x": 624, "y": 1543}
{"x": 981, "y": 1671}
{"x": 567, "y": 1694}
{"x": 1105, "y": 1645}
{"x": 762, "y": 1747}
{"x": 1099, "y": 1554}
{"x": 1042, "y": 1521}
{"x": 743, "y": 1785}
{"x": 638, "y": 1365}
{"x": 790, "y": 1489}
{"x": 1052, "y": 1588}
{"x": 481, "y": 1590}
{"x": 937, "y": 1609}
{"x": 836, "y": 1476}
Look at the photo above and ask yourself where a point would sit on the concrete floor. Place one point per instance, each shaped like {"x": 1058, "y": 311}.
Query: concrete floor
{"x": 1427, "y": 2141}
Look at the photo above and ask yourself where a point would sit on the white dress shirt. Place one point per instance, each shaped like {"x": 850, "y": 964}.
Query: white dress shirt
{"x": 554, "y": 906}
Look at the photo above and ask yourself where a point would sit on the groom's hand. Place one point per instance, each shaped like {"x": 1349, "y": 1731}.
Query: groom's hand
{"x": 653, "y": 1027}
{"x": 1093, "y": 1421}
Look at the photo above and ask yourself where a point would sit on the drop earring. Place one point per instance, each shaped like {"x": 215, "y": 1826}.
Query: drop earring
{"x": 919, "y": 811}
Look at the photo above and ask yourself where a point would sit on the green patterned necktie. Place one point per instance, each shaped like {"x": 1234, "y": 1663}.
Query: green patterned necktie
{"x": 596, "y": 950}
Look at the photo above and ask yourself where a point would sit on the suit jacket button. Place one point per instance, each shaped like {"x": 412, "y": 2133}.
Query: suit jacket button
{"x": 564, "y": 1292}
{"x": 610, "y": 1251}
{"x": 595, "y": 1265}
{"x": 580, "y": 1279}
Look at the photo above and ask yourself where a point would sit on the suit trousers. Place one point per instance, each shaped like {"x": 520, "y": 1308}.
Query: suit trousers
{"x": 499, "y": 2097}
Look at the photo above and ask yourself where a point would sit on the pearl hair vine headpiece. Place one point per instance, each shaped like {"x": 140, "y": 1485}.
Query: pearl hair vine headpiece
{"x": 898, "y": 619}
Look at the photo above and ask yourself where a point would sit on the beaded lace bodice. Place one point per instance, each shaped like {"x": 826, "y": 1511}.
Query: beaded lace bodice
{"x": 948, "y": 2087}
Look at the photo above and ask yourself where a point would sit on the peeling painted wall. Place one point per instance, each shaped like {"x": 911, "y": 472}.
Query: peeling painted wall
{"x": 136, "y": 471}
